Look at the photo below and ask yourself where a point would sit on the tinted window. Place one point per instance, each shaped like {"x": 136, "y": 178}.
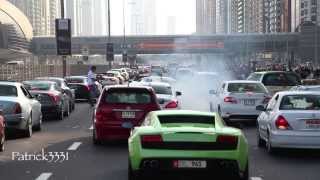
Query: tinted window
{"x": 37, "y": 86}
{"x": 167, "y": 119}
{"x": 123, "y": 96}
{"x": 75, "y": 80}
{"x": 246, "y": 87}
{"x": 6, "y": 90}
{"x": 281, "y": 79}
{"x": 162, "y": 90}
{"x": 300, "y": 102}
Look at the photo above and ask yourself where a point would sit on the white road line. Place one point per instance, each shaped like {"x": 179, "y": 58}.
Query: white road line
{"x": 44, "y": 176}
{"x": 91, "y": 127}
{"x": 256, "y": 178}
{"x": 74, "y": 146}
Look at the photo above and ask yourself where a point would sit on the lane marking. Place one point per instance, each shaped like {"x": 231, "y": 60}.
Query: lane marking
{"x": 74, "y": 146}
{"x": 256, "y": 178}
{"x": 91, "y": 127}
{"x": 44, "y": 176}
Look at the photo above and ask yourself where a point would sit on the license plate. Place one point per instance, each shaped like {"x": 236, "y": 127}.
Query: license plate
{"x": 127, "y": 125}
{"x": 249, "y": 102}
{"x": 313, "y": 124}
{"x": 189, "y": 164}
{"x": 128, "y": 115}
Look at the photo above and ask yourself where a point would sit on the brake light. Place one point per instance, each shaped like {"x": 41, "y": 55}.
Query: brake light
{"x": 171, "y": 105}
{"x": 99, "y": 115}
{"x": 282, "y": 123}
{"x": 17, "y": 109}
{"x": 227, "y": 139}
{"x": 156, "y": 138}
{"x": 266, "y": 99}
{"x": 55, "y": 98}
{"x": 231, "y": 100}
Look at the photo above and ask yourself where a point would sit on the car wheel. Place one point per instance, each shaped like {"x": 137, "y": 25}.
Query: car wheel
{"x": 67, "y": 111}
{"x": 38, "y": 126}
{"x": 2, "y": 143}
{"x": 260, "y": 141}
{"x": 28, "y": 131}
{"x": 245, "y": 175}
{"x": 132, "y": 175}
{"x": 94, "y": 138}
{"x": 269, "y": 147}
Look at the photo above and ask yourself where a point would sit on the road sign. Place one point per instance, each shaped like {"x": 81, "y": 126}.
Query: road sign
{"x": 110, "y": 53}
{"x": 63, "y": 36}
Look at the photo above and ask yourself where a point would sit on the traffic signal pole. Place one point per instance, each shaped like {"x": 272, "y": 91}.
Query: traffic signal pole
{"x": 109, "y": 32}
{"x": 64, "y": 58}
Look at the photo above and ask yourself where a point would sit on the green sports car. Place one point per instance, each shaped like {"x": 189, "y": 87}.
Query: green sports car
{"x": 187, "y": 141}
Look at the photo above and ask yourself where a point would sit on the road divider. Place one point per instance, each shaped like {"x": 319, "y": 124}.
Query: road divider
{"x": 44, "y": 176}
{"x": 74, "y": 146}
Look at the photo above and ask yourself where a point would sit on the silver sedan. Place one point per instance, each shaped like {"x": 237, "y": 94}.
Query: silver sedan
{"x": 20, "y": 109}
{"x": 290, "y": 120}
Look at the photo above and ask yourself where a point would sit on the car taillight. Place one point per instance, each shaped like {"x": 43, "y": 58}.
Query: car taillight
{"x": 282, "y": 123}
{"x": 227, "y": 140}
{"x": 171, "y": 105}
{"x": 87, "y": 88}
{"x": 17, "y": 109}
{"x": 99, "y": 115}
{"x": 55, "y": 98}
{"x": 266, "y": 99}
{"x": 230, "y": 100}
{"x": 156, "y": 138}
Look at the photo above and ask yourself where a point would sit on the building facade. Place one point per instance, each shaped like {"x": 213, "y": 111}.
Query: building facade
{"x": 206, "y": 16}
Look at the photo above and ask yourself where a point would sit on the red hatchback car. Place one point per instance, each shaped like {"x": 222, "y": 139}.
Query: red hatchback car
{"x": 119, "y": 109}
{"x": 2, "y": 131}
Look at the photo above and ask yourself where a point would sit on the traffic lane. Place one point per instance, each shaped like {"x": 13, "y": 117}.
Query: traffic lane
{"x": 285, "y": 165}
{"x": 53, "y": 131}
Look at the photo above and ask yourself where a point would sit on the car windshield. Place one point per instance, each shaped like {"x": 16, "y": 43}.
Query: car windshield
{"x": 186, "y": 119}
{"x": 311, "y": 88}
{"x": 42, "y": 86}
{"x": 254, "y": 77}
{"x": 6, "y": 90}
{"x": 125, "y": 96}
{"x": 300, "y": 102}
{"x": 246, "y": 87}
{"x": 162, "y": 90}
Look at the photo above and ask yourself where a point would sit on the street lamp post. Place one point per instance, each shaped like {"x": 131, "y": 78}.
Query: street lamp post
{"x": 64, "y": 58}
{"x": 109, "y": 31}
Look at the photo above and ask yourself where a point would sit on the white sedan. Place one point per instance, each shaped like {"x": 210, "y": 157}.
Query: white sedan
{"x": 237, "y": 100}
{"x": 291, "y": 120}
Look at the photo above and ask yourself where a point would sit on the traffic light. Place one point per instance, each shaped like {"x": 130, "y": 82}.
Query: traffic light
{"x": 110, "y": 53}
{"x": 63, "y": 36}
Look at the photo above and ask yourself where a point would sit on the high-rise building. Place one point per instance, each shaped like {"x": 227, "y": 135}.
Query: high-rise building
{"x": 143, "y": 17}
{"x": 171, "y": 25}
{"x": 41, "y": 14}
{"x": 295, "y": 15}
{"x": 206, "y": 16}
{"x": 222, "y": 16}
{"x": 98, "y": 17}
{"x": 310, "y": 11}
{"x": 286, "y": 16}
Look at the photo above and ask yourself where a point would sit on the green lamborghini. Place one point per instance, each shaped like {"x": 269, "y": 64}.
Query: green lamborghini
{"x": 179, "y": 141}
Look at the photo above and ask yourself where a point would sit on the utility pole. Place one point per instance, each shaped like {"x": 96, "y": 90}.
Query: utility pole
{"x": 109, "y": 31}
{"x": 64, "y": 58}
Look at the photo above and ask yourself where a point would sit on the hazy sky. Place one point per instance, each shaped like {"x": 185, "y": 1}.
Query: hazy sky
{"x": 183, "y": 10}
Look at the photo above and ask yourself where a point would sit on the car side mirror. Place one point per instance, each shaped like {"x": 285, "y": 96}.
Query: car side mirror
{"x": 213, "y": 92}
{"x": 178, "y": 93}
{"x": 261, "y": 108}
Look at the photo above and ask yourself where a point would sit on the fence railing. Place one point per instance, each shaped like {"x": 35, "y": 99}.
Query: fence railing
{"x": 29, "y": 71}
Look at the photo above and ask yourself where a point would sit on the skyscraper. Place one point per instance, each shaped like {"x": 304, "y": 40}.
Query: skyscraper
{"x": 41, "y": 14}
{"x": 206, "y": 16}
{"x": 171, "y": 25}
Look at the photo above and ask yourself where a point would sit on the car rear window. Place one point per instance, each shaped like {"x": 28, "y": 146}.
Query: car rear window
{"x": 37, "y": 86}
{"x": 6, "y": 90}
{"x": 254, "y": 77}
{"x": 162, "y": 90}
{"x": 300, "y": 102}
{"x": 246, "y": 87}
{"x": 127, "y": 96}
{"x": 193, "y": 119}
{"x": 75, "y": 80}
{"x": 281, "y": 79}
